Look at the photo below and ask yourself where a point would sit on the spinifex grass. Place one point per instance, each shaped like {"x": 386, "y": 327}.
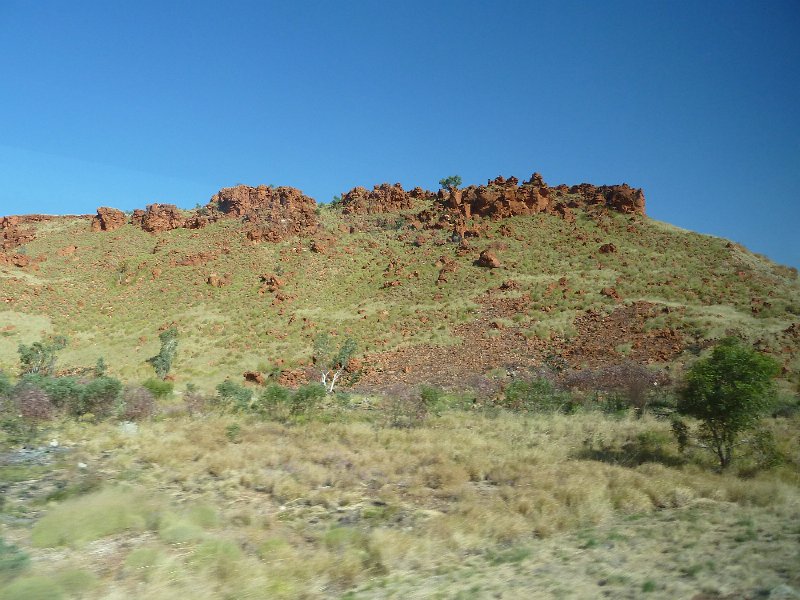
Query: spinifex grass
{"x": 225, "y": 506}
{"x": 111, "y": 296}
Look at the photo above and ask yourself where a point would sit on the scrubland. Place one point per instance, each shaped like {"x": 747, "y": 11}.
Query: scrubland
{"x": 468, "y": 500}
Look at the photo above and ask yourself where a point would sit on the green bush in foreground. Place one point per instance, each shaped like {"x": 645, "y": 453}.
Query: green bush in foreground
{"x": 728, "y": 392}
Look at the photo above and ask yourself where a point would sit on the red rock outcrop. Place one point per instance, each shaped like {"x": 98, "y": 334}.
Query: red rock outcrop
{"x": 272, "y": 214}
{"x": 501, "y": 198}
{"x": 158, "y": 217}
{"x": 108, "y": 219}
{"x": 382, "y": 198}
{"x": 12, "y": 235}
{"x": 620, "y": 198}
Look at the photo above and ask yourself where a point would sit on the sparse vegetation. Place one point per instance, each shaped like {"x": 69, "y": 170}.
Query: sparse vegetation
{"x": 39, "y": 358}
{"x": 332, "y": 361}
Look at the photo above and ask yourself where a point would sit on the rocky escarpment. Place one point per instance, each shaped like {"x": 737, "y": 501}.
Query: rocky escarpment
{"x": 382, "y": 198}
{"x": 276, "y": 213}
{"x": 270, "y": 214}
{"x": 501, "y": 198}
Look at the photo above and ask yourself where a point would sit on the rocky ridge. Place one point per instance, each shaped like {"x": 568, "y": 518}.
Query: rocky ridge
{"x": 276, "y": 213}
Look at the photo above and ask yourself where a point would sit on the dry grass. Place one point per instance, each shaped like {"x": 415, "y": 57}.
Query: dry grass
{"x": 312, "y": 510}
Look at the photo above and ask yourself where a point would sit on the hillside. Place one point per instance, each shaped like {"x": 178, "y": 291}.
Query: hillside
{"x": 549, "y": 458}
{"x": 444, "y": 288}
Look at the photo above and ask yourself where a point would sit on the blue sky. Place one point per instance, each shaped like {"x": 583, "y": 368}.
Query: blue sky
{"x": 129, "y": 103}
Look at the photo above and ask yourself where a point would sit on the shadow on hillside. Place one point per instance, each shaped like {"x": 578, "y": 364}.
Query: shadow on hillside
{"x": 645, "y": 448}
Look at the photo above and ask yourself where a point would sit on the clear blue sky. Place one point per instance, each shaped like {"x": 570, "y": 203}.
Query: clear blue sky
{"x": 126, "y": 103}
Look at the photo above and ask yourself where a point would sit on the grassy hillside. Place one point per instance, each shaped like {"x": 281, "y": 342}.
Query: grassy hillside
{"x": 378, "y": 284}
{"x": 515, "y": 482}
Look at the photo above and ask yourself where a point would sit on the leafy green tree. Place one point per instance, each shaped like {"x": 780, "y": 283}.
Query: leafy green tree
{"x": 450, "y": 183}
{"x": 162, "y": 362}
{"x": 332, "y": 361}
{"x": 729, "y": 392}
{"x": 40, "y": 357}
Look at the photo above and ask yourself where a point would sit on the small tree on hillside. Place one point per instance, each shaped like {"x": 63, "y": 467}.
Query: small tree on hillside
{"x": 40, "y": 357}
{"x": 450, "y": 183}
{"x": 729, "y": 392}
{"x": 162, "y": 362}
{"x": 330, "y": 360}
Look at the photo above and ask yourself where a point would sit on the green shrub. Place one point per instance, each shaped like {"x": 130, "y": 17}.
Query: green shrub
{"x": 331, "y": 361}
{"x": 432, "y": 397}
{"x": 274, "y": 402}
{"x": 306, "y": 398}
{"x": 162, "y": 362}
{"x": 65, "y": 392}
{"x": 158, "y": 387}
{"x": 5, "y": 385}
{"x": 13, "y": 561}
{"x": 40, "y": 357}
{"x": 728, "y": 392}
{"x": 99, "y": 397}
{"x": 232, "y": 396}
{"x": 538, "y": 395}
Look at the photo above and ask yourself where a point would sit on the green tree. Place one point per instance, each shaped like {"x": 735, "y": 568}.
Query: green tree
{"x": 162, "y": 362}
{"x": 40, "y": 357}
{"x": 450, "y": 183}
{"x": 330, "y": 360}
{"x": 729, "y": 392}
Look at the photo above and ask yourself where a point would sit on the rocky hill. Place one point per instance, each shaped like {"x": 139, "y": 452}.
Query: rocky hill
{"x": 457, "y": 287}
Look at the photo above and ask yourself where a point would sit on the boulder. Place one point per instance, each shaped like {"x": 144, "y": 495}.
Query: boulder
{"x": 489, "y": 260}
{"x": 108, "y": 219}
{"x": 158, "y": 217}
{"x": 271, "y": 214}
{"x": 254, "y": 377}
